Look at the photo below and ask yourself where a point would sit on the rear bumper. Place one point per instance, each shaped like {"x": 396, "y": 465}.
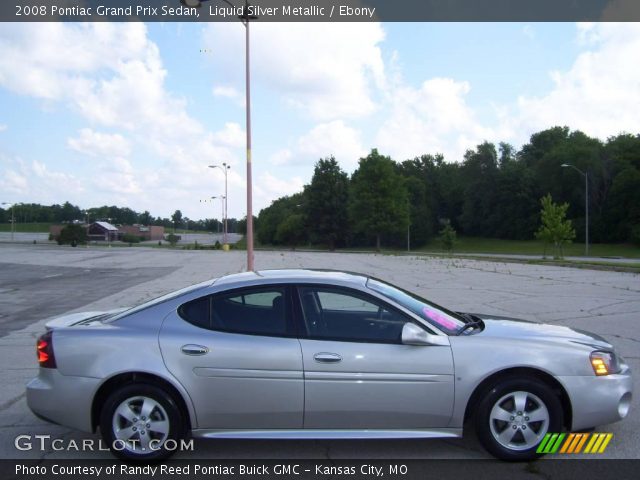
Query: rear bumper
{"x": 598, "y": 400}
{"x": 61, "y": 399}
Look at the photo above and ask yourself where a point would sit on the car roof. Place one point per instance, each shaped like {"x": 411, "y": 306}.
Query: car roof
{"x": 294, "y": 275}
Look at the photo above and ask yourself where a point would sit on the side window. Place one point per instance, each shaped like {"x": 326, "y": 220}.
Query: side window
{"x": 260, "y": 311}
{"x": 196, "y": 312}
{"x": 346, "y": 315}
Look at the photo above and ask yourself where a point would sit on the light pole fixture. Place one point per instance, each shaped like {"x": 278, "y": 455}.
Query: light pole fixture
{"x": 223, "y": 201}
{"x": 245, "y": 18}
{"x": 225, "y": 169}
{"x": 585, "y": 174}
{"x": 13, "y": 218}
{"x": 86, "y": 212}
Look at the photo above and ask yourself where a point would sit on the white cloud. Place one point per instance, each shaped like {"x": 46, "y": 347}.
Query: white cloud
{"x": 324, "y": 140}
{"x": 3, "y": 127}
{"x": 100, "y": 144}
{"x": 117, "y": 176}
{"x": 45, "y": 60}
{"x": 333, "y": 138}
{"x": 229, "y": 92}
{"x": 35, "y": 181}
{"x": 281, "y": 157}
{"x": 270, "y": 186}
{"x": 114, "y": 77}
{"x": 434, "y": 118}
{"x": 232, "y": 135}
{"x": 326, "y": 70}
{"x": 600, "y": 93}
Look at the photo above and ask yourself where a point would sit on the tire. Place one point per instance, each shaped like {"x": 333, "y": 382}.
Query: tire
{"x": 514, "y": 416}
{"x": 133, "y": 436}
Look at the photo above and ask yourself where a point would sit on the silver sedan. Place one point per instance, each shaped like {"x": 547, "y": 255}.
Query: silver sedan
{"x": 319, "y": 354}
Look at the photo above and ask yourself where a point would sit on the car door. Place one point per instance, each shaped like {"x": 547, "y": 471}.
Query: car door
{"x": 238, "y": 357}
{"x": 358, "y": 374}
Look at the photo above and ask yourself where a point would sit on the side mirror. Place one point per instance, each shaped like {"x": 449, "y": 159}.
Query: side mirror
{"x": 414, "y": 335}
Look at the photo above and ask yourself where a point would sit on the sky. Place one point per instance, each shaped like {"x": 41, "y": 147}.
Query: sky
{"x": 132, "y": 114}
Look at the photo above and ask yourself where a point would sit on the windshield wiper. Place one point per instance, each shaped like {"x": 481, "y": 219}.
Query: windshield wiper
{"x": 471, "y": 323}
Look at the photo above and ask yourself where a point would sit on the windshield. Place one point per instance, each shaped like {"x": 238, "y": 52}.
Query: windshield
{"x": 442, "y": 318}
{"x": 156, "y": 301}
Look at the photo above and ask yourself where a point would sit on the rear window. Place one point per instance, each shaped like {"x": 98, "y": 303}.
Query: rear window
{"x": 156, "y": 301}
{"x": 251, "y": 311}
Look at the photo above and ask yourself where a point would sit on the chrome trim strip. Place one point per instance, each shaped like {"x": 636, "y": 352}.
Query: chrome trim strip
{"x": 246, "y": 373}
{"x": 310, "y": 434}
{"x": 376, "y": 377}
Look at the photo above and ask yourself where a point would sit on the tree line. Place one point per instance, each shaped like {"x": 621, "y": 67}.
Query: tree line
{"x": 493, "y": 192}
{"x": 69, "y": 213}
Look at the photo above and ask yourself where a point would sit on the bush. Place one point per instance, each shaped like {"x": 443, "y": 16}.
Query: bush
{"x": 130, "y": 238}
{"x": 73, "y": 235}
{"x": 172, "y": 238}
{"x": 448, "y": 237}
{"x": 217, "y": 245}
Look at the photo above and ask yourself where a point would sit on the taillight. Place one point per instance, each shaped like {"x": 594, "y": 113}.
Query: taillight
{"x": 44, "y": 349}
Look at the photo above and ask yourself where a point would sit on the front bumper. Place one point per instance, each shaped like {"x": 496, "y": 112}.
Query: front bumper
{"x": 598, "y": 401}
{"x": 61, "y": 399}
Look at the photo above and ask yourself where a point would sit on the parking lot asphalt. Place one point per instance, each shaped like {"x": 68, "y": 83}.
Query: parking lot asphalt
{"x": 607, "y": 303}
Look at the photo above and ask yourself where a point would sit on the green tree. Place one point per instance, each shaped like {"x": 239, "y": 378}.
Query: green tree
{"x": 554, "y": 228}
{"x": 291, "y": 230}
{"x": 325, "y": 203}
{"x": 145, "y": 218}
{"x": 479, "y": 174}
{"x": 72, "y": 234}
{"x": 378, "y": 199}
{"x": 448, "y": 237}
{"x": 271, "y": 217}
{"x": 176, "y": 219}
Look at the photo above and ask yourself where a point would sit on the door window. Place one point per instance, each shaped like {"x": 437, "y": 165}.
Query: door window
{"x": 346, "y": 315}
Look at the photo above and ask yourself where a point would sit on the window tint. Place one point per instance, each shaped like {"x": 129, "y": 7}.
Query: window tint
{"x": 251, "y": 311}
{"x": 264, "y": 299}
{"x": 337, "y": 301}
{"x": 346, "y": 315}
{"x": 196, "y": 312}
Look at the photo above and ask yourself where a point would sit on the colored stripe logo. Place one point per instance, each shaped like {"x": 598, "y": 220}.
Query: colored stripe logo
{"x": 574, "y": 443}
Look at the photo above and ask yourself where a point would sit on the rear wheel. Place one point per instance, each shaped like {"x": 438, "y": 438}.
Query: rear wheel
{"x": 137, "y": 421}
{"x": 515, "y": 415}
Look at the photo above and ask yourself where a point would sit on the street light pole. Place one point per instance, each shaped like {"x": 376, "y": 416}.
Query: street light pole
{"x": 246, "y": 22}
{"x": 13, "y": 218}
{"x": 225, "y": 169}
{"x": 223, "y": 201}
{"x": 245, "y": 19}
{"x": 585, "y": 174}
{"x": 87, "y": 213}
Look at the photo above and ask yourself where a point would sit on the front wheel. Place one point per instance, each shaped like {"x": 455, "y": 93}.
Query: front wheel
{"x": 137, "y": 421}
{"x": 515, "y": 415}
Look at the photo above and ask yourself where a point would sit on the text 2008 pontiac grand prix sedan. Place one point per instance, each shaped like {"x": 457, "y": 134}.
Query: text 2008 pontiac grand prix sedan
{"x": 319, "y": 354}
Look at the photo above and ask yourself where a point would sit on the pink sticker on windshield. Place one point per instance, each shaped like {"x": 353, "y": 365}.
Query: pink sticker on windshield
{"x": 439, "y": 318}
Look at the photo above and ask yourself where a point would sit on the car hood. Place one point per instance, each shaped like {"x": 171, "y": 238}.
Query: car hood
{"x": 81, "y": 318}
{"x": 504, "y": 327}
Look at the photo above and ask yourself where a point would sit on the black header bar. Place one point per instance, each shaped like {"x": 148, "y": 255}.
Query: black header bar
{"x": 321, "y": 10}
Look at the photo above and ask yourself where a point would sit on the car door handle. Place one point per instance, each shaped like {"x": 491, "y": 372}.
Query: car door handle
{"x": 194, "y": 349}
{"x": 324, "y": 357}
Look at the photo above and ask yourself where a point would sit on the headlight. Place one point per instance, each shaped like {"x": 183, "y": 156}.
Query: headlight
{"x": 604, "y": 363}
